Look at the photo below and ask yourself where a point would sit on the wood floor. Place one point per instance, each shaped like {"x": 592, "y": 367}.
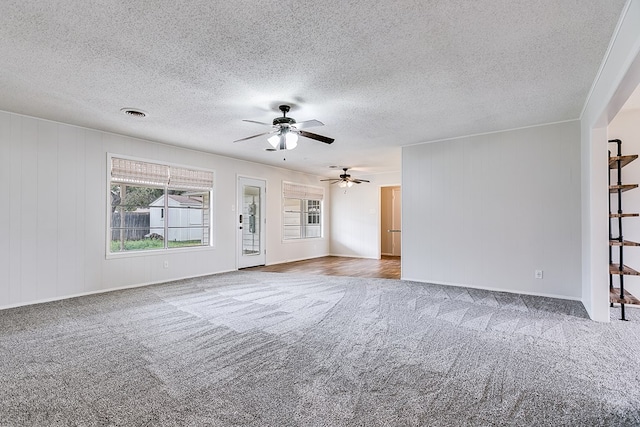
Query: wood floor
{"x": 386, "y": 268}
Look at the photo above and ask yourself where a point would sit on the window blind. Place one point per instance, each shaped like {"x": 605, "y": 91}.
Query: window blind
{"x": 138, "y": 172}
{"x": 190, "y": 179}
{"x": 300, "y": 191}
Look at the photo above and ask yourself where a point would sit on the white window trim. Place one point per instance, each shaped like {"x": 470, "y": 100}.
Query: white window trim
{"x": 158, "y": 252}
{"x": 318, "y": 190}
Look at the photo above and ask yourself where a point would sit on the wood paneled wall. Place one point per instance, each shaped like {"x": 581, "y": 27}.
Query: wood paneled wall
{"x": 53, "y": 221}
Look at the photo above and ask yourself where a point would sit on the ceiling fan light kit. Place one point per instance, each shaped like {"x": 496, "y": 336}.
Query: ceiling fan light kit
{"x": 284, "y": 140}
{"x": 285, "y": 131}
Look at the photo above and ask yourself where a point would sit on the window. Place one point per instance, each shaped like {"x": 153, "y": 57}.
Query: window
{"x": 155, "y": 206}
{"x": 302, "y": 211}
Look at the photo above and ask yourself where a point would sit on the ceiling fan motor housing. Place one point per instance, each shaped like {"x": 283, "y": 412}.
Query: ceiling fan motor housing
{"x": 283, "y": 120}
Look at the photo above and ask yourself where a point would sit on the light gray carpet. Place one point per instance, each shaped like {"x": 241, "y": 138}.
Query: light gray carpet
{"x": 273, "y": 349}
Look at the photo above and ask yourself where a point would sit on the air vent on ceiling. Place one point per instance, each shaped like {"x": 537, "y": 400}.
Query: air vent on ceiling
{"x": 134, "y": 112}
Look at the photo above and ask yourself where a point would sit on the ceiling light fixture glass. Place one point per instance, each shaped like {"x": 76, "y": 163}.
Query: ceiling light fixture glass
{"x": 274, "y": 140}
{"x": 291, "y": 140}
{"x": 284, "y": 140}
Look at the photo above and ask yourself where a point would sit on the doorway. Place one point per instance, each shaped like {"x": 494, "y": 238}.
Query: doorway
{"x": 251, "y": 221}
{"x": 390, "y": 221}
{"x": 622, "y": 134}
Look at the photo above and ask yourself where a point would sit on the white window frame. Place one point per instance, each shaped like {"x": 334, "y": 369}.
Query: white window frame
{"x": 303, "y": 193}
{"x": 167, "y": 187}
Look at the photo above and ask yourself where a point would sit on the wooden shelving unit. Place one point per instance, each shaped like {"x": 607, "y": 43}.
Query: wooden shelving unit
{"x": 623, "y": 243}
{"x": 624, "y": 160}
{"x": 624, "y": 215}
{"x": 626, "y": 270}
{"x": 622, "y": 188}
{"x": 614, "y": 297}
{"x": 618, "y": 295}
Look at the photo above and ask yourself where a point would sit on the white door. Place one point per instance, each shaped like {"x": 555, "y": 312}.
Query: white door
{"x": 251, "y": 222}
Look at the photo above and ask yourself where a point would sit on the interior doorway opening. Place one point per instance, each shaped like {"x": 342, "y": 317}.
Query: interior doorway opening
{"x": 391, "y": 221}
{"x": 623, "y": 134}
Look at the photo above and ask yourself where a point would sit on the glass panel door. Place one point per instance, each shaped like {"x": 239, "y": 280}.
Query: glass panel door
{"x": 251, "y": 222}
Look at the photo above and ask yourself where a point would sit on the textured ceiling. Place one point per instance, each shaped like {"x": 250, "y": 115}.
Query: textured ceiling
{"x": 380, "y": 75}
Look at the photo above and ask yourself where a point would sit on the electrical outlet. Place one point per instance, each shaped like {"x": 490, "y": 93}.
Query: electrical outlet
{"x": 166, "y": 264}
{"x": 538, "y": 274}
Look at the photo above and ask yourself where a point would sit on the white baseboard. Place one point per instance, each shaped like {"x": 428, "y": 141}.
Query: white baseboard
{"x": 488, "y": 288}
{"x": 102, "y": 291}
{"x": 353, "y": 256}
{"x": 297, "y": 259}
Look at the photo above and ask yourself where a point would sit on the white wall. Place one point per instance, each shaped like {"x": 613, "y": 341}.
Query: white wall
{"x": 355, "y": 216}
{"x": 53, "y": 227}
{"x": 487, "y": 211}
{"x": 619, "y": 75}
{"x": 626, "y": 127}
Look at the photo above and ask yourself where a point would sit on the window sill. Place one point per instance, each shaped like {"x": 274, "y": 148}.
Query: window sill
{"x": 306, "y": 239}
{"x": 157, "y": 252}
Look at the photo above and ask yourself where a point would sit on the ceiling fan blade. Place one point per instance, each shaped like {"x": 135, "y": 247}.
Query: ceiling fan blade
{"x": 260, "y": 123}
{"x": 253, "y": 136}
{"x": 308, "y": 124}
{"x": 358, "y": 181}
{"x": 317, "y": 137}
{"x": 330, "y": 179}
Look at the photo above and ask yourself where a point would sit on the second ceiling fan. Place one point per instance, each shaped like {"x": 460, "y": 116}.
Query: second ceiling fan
{"x": 345, "y": 180}
{"x": 285, "y": 131}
